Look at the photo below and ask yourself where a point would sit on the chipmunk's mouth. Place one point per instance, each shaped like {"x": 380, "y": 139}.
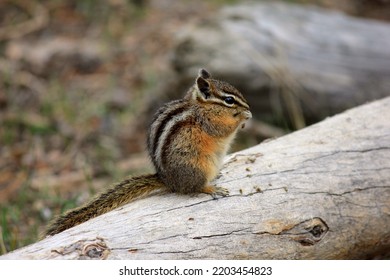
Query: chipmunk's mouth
{"x": 247, "y": 115}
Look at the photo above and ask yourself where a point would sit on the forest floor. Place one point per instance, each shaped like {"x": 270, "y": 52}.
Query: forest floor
{"x": 73, "y": 79}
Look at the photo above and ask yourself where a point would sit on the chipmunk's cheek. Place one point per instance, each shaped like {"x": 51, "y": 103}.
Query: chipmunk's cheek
{"x": 243, "y": 124}
{"x": 236, "y": 114}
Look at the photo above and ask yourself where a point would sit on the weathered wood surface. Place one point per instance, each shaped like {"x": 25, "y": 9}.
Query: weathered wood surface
{"x": 276, "y": 53}
{"x": 319, "y": 193}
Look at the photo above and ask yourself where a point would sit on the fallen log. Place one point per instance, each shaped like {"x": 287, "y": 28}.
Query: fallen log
{"x": 319, "y": 193}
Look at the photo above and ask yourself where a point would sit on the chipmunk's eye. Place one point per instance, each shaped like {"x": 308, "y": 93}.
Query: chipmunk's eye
{"x": 229, "y": 100}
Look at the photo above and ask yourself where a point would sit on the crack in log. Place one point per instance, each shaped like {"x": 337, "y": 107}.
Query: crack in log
{"x": 347, "y": 192}
{"x": 315, "y": 172}
{"x": 191, "y": 205}
{"x": 146, "y": 243}
{"x": 220, "y": 234}
{"x": 179, "y": 252}
{"x": 161, "y": 239}
{"x": 346, "y": 151}
{"x": 134, "y": 250}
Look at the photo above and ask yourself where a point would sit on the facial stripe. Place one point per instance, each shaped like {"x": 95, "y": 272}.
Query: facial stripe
{"x": 219, "y": 89}
{"x": 238, "y": 99}
{"x": 218, "y": 97}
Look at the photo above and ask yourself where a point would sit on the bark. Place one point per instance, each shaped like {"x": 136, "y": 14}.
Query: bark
{"x": 319, "y": 193}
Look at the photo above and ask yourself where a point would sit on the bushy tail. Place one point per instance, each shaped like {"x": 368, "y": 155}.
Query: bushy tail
{"x": 116, "y": 196}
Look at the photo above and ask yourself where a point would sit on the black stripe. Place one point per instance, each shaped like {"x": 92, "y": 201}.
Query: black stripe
{"x": 171, "y": 136}
{"x": 160, "y": 128}
{"x": 220, "y": 93}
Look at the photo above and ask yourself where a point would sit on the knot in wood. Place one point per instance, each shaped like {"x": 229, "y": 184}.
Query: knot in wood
{"x": 308, "y": 232}
{"x": 96, "y": 250}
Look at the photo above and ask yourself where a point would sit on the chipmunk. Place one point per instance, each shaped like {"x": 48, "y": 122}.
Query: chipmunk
{"x": 187, "y": 141}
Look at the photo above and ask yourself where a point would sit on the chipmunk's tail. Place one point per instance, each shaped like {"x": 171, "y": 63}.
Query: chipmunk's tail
{"x": 116, "y": 196}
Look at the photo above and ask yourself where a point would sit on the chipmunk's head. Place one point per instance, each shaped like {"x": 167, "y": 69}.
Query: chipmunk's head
{"x": 228, "y": 100}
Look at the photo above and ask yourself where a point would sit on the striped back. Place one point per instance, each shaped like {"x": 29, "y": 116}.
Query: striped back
{"x": 168, "y": 119}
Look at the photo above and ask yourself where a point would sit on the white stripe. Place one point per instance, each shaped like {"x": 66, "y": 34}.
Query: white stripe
{"x": 166, "y": 132}
{"x": 163, "y": 115}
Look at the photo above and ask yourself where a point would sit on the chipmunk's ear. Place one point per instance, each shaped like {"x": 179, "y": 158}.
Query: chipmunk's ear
{"x": 204, "y": 74}
{"x": 203, "y": 86}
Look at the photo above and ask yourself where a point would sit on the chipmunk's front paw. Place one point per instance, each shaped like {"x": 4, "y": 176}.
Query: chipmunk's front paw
{"x": 221, "y": 191}
{"x": 215, "y": 191}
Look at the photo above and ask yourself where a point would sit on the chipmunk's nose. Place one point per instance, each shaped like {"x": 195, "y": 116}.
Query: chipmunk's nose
{"x": 247, "y": 114}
